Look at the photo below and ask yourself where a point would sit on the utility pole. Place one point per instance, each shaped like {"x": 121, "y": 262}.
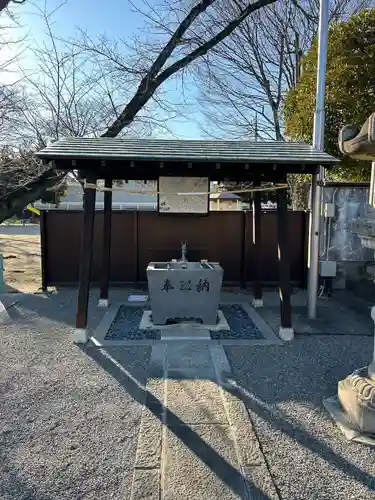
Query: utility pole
{"x": 318, "y": 143}
{"x": 298, "y": 56}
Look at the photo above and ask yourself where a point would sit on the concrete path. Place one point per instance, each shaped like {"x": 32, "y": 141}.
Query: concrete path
{"x": 196, "y": 439}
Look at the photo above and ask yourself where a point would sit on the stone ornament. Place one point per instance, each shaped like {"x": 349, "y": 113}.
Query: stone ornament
{"x": 353, "y": 408}
{"x": 356, "y": 394}
{"x": 359, "y": 143}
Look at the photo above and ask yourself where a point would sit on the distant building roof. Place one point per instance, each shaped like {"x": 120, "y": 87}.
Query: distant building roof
{"x": 224, "y": 196}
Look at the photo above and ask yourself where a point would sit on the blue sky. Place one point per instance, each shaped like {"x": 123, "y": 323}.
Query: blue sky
{"x": 115, "y": 18}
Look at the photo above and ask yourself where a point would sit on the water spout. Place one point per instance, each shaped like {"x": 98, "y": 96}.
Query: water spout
{"x": 183, "y": 251}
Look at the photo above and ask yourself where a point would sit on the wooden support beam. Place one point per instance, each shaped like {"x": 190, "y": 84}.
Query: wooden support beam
{"x": 257, "y": 251}
{"x": 286, "y": 331}
{"x": 85, "y": 264}
{"x": 43, "y": 247}
{"x": 106, "y": 249}
{"x": 244, "y": 253}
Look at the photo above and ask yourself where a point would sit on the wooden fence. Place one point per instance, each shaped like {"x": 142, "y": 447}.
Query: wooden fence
{"x": 139, "y": 237}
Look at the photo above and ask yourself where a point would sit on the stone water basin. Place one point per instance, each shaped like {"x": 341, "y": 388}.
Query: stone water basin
{"x": 184, "y": 291}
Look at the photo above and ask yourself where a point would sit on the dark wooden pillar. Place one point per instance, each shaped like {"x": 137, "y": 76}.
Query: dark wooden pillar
{"x": 43, "y": 249}
{"x": 244, "y": 253}
{"x": 286, "y": 331}
{"x": 257, "y": 250}
{"x": 106, "y": 255}
{"x": 85, "y": 264}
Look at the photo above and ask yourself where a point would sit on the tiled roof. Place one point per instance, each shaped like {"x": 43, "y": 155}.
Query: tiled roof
{"x": 186, "y": 150}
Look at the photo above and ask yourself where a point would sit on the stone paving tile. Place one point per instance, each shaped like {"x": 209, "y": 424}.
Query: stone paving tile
{"x": 181, "y": 356}
{"x": 201, "y": 463}
{"x": 195, "y": 401}
{"x": 146, "y": 484}
{"x": 149, "y": 442}
{"x": 260, "y": 485}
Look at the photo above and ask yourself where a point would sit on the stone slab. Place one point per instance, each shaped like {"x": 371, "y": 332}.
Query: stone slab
{"x": 185, "y": 333}
{"x": 200, "y": 463}
{"x": 259, "y": 483}
{"x": 220, "y": 363}
{"x": 195, "y": 402}
{"x": 247, "y": 442}
{"x": 146, "y": 484}
{"x": 191, "y": 340}
{"x": 150, "y": 433}
{"x": 156, "y": 366}
{"x": 149, "y": 441}
{"x": 180, "y": 356}
{"x": 147, "y": 324}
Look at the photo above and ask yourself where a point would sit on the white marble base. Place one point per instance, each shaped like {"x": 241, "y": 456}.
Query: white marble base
{"x": 286, "y": 334}
{"x": 147, "y": 324}
{"x": 257, "y": 303}
{"x": 80, "y": 336}
{"x": 103, "y": 303}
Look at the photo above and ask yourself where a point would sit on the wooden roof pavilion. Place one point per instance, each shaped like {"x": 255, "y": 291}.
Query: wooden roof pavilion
{"x": 137, "y": 159}
{"x": 148, "y": 159}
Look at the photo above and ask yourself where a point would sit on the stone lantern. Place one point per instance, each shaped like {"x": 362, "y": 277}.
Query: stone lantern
{"x": 353, "y": 408}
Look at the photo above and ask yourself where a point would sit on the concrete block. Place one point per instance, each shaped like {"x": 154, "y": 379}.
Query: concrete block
{"x": 257, "y": 303}
{"x": 286, "y": 334}
{"x": 80, "y": 336}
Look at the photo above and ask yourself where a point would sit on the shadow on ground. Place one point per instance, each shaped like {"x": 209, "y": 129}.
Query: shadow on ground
{"x": 208, "y": 455}
{"x": 283, "y": 388}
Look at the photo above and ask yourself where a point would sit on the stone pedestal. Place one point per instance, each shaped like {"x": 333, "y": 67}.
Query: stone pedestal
{"x": 353, "y": 409}
{"x": 356, "y": 395}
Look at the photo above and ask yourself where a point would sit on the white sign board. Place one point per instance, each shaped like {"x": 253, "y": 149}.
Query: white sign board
{"x": 176, "y": 195}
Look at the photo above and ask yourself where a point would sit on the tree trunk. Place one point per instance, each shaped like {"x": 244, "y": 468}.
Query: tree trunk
{"x": 19, "y": 198}
{"x": 299, "y": 191}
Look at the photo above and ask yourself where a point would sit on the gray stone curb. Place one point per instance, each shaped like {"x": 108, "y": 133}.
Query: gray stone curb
{"x": 254, "y": 468}
{"x": 147, "y": 478}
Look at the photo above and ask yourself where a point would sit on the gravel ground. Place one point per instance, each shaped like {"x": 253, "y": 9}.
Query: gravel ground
{"x": 126, "y": 323}
{"x": 69, "y": 416}
{"x": 240, "y": 324}
{"x": 283, "y": 388}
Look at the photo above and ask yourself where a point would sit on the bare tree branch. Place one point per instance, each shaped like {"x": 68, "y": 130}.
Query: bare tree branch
{"x": 154, "y": 78}
{"x": 5, "y": 3}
